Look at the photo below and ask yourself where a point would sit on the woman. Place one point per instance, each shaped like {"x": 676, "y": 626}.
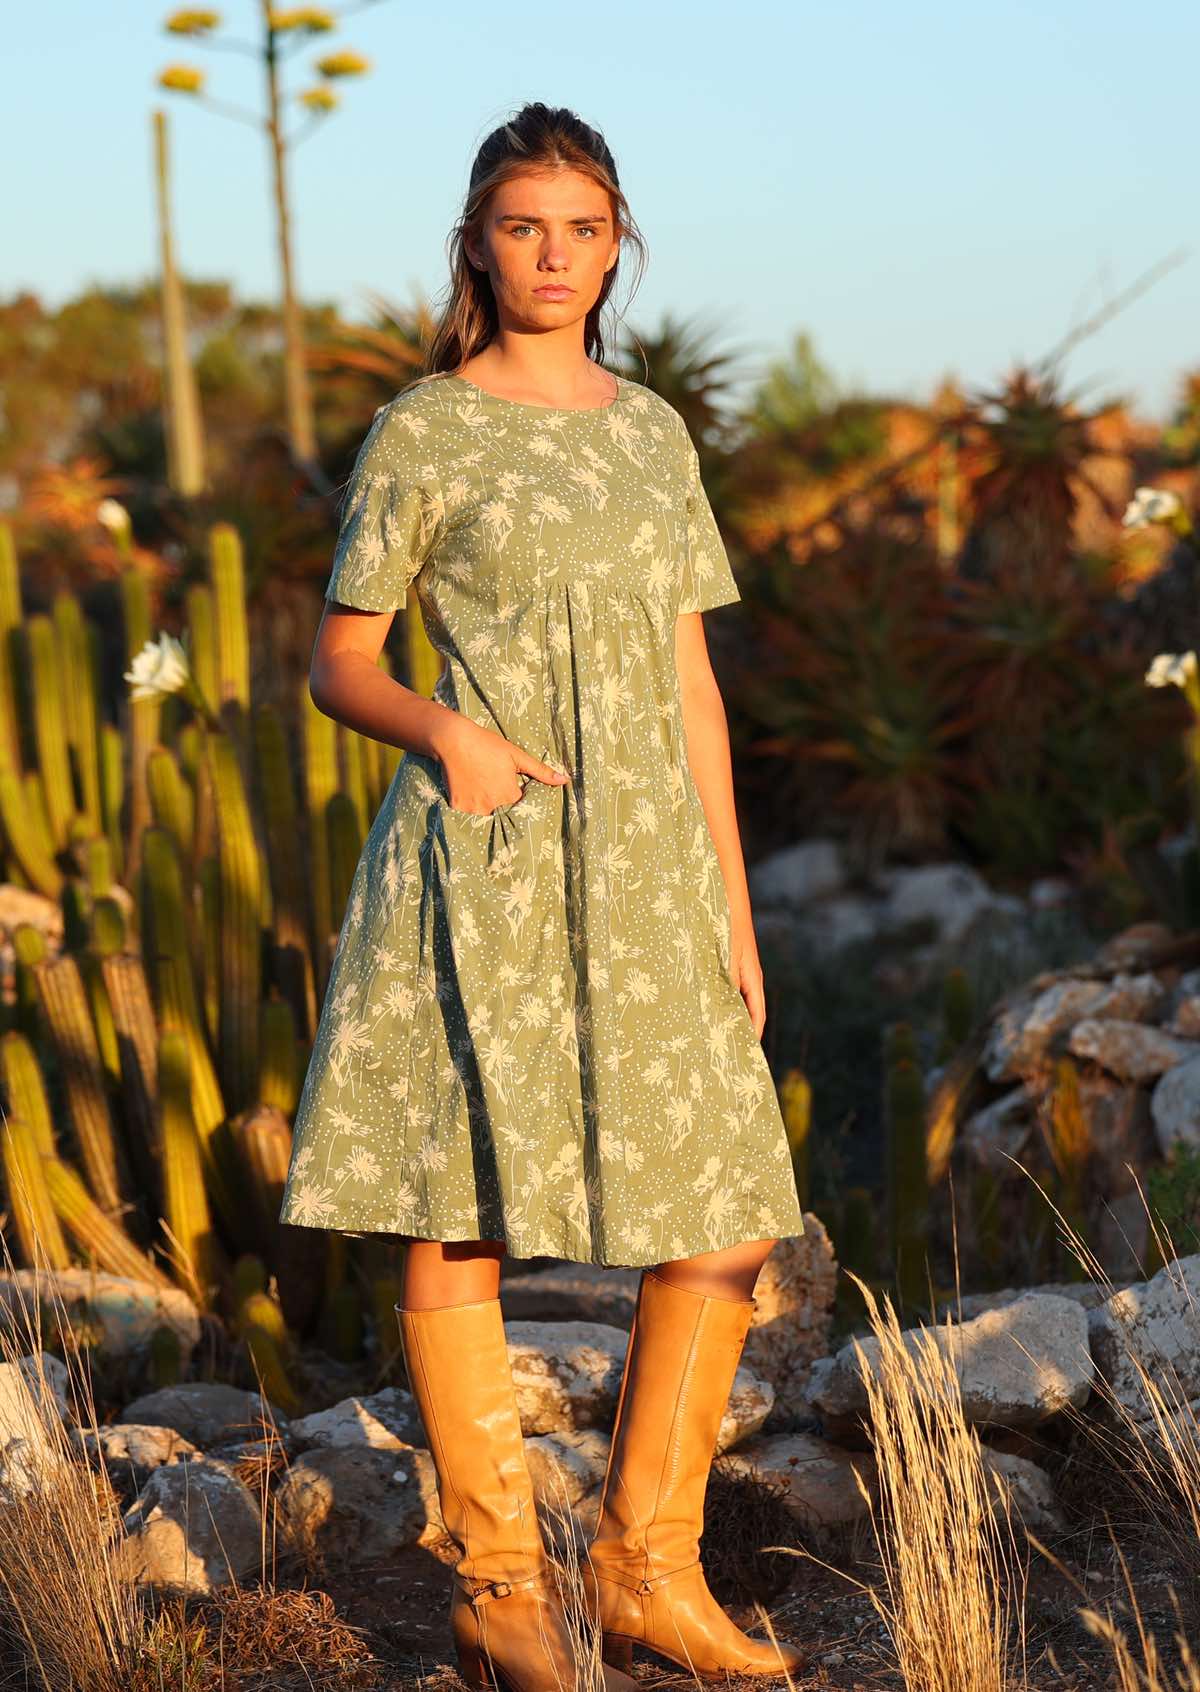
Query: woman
{"x": 542, "y": 1030}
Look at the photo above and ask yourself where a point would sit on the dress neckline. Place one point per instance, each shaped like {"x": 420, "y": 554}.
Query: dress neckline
{"x": 526, "y": 405}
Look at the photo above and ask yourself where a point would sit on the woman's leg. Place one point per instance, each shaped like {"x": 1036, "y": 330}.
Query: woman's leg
{"x": 731, "y": 1273}
{"x": 440, "y": 1272}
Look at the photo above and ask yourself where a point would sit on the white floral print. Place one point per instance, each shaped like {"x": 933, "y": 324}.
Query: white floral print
{"x": 531, "y": 1031}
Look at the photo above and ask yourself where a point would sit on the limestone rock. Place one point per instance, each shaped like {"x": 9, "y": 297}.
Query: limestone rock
{"x": 194, "y": 1527}
{"x": 1016, "y": 1365}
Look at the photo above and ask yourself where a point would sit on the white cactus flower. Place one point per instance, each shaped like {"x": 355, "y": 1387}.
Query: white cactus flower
{"x": 159, "y": 668}
{"x": 113, "y": 515}
{"x": 1172, "y": 669}
{"x": 1151, "y": 505}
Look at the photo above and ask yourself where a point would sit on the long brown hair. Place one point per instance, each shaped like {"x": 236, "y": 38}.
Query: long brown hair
{"x": 539, "y": 137}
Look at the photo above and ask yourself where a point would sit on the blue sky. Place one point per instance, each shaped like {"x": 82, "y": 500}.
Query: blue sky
{"x": 928, "y": 188}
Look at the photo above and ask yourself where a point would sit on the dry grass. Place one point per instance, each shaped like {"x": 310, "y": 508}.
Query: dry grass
{"x": 953, "y": 1584}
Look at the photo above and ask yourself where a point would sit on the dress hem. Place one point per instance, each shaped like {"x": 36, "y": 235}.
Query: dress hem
{"x": 532, "y": 1256}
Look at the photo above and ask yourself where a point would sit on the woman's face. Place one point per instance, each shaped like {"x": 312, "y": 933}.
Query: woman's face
{"x": 544, "y": 230}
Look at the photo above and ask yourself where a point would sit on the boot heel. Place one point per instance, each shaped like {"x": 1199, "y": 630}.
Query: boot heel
{"x": 616, "y": 1649}
{"x": 475, "y": 1670}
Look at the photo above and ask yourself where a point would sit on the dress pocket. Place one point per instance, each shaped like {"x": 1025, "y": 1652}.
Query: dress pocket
{"x": 495, "y": 942}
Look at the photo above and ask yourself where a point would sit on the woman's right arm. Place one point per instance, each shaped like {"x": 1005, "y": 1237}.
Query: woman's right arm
{"x": 345, "y": 682}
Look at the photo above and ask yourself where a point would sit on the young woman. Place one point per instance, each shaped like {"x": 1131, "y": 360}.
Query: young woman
{"x": 542, "y": 1029}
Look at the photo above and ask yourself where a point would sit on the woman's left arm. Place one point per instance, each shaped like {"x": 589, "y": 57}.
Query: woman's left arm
{"x": 710, "y": 763}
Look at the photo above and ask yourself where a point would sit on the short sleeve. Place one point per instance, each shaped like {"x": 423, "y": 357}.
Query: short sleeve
{"x": 707, "y": 576}
{"x": 391, "y": 518}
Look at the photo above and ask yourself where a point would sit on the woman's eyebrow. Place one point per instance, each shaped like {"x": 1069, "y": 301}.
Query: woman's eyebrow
{"x": 532, "y": 217}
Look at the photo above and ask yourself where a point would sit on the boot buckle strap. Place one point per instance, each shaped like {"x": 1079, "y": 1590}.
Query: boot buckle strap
{"x": 487, "y": 1590}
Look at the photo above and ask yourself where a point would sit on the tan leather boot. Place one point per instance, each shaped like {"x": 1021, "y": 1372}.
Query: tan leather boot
{"x": 506, "y": 1615}
{"x": 643, "y": 1578}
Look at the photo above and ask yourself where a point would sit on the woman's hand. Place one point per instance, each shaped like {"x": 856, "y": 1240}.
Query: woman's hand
{"x": 483, "y": 769}
{"x": 747, "y": 973}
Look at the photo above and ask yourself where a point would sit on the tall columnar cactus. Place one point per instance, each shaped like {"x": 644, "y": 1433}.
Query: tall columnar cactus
{"x": 858, "y": 1233}
{"x": 265, "y": 1337}
{"x": 26, "y": 838}
{"x": 47, "y": 688}
{"x": 279, "y": 1077}
{"x": 192, "y": 1245}
{"x": 171, "y": 977}
{"x": 957, "y": 1012}
{"x": 354, "y": 773}
{"x": 29, "y": 948}
{"x": 909, "y": 1178}
{"x": 345, "y": 848}
{"x": 79, "y": 659}
{"x": 422, "y": 658}
{"x": 69, "y": 1025}
{"x": 26, "y": 1141}
{"x": 144, "y": 714}
{"x": 100, "y": 1239}
{"x": 133, "y": 1021}
{"x": 227, "y": 574}
{"x": 795, "y": 1099}
{"x": 10, "y": 625}
{"x": 319, "y": 745}
{"x": 172, "y": 802}
{"x": 200, "y": 610}
{"x": 112, "y": 791}
{"x": 241, "y": 938}
{"x": 264, "y": 1143}
{"x": 166, "y": 1357}
{"x": 293, "y": 953}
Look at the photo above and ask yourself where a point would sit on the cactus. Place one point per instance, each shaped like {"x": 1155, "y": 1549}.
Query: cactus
{"x": 134, "y": 1029}
{"x": 909, "y": 1184}
{"x": 319, "y": 741}
{"x": 292, "y": 950}
{"x": 341, "y": 1327}
{"x": 957, "y": 1013}
{"x": 986, "y": 1231}
{"x": 78, "y": 659}
{"x": 172, "y": 980}
{"x": 47, "y": 690}
{"x": 166, "y": 1357}
{"x": 264, "y": 1333}
{"x": 227, "y": 575}
{"x": 280, "y": 1076}
{"x": 345, "y": 848}
{"x": 112, "y": 791}
{"x": 241, "y": 941}
{"x": 795, "y": 1098}
{"x": 202, "y": 625}
{"x": 249, "y": 1276}
{"x": 172, "y": 802}
{"x": 29, "y": 948}
{"x": 192, "y": 1245}
{"x": 858, "y": 1233}
{"x": 69, "y": 1027}
{"x": 30, "y": 1205}
{"x": 264, "y": 1143}
{"x": 101, "y": 1239}
{"x": 144, "y": 714}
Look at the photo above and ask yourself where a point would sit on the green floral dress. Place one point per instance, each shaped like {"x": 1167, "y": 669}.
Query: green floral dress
{"x": 531, "y": 1032}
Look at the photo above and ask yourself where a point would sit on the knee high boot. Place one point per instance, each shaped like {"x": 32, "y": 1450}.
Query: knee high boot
{"x": 506, "y": 1616}
{"x": 643, "y": 1578}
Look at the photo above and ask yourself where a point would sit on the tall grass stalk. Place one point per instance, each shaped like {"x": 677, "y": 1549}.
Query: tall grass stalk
{"x": 953, "y": 1586}
{"x": 64, "y": 1609}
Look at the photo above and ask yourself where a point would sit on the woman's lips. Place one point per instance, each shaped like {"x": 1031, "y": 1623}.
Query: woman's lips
{"x": 554, "y": 291}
